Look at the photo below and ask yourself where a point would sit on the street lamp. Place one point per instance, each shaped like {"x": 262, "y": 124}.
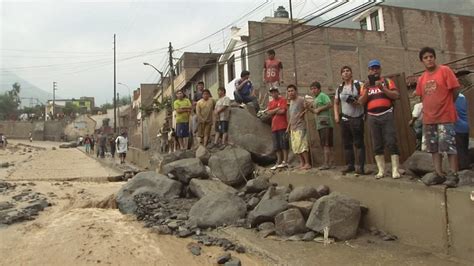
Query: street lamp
{"x": 161, "y": 79}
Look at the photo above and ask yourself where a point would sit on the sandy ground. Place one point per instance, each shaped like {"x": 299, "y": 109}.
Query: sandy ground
{"x": 73, "y": 231}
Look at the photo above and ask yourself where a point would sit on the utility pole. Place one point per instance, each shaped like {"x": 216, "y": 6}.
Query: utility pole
{"x": 170, "y": 50}
{"x": 115, "y": 92}
{"x": 54, "y": 97}
{"x": 293, "y": 45}
{"x": 118, "y": 110}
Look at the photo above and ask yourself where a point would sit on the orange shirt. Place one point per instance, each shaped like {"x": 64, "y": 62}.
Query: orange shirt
{"x": 272, "y": 70}
{"x": 378, "y": 102}
{"x": 436, "y": 90}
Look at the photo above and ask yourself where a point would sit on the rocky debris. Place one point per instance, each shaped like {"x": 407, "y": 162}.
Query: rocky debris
{"x": 309, "y": 236}
{"x": 5, "y": 165}
{"x": 290, "y": 222}
{"x": 382, "y": 235}
{"x": 217, "y": 210}
{"x": 4, "y": 186}
{"x": 149, "y": 182}
{"x": 4, "y": 205}
{"x": 231, "y": 165}
{"x": 23, "y": 206}
{"x": 276, "y": 192}
{"x": 252, "y": 137}
{"x": 161, "y": 230}
{"x": 203, "y": 154}
{"x": 339, "y": 213}
{"x": 233, "y": 262}
{"x": 266, "y": 226}
{"x": 466, "y": 178}
{"x": 223, "y": 258}
{"x": 53, "y": 148}
{"x": 186, "y": 169}
{"x": 72, "y": 144}
{"x": 419, "y": 163}
{"x": 194, "y": 248}
{"x": 256, "y": 185}
{"x": 430, "y": 179}
{"x": 322, "y": 190}
{"x": 266, "y": 211}
{"x": 158, "y": 160}
{"x": 252, "y": 203}
{"x": 303, "y": 206}
{"x": 303, "y": 193}
{"x": 201, "y": 188}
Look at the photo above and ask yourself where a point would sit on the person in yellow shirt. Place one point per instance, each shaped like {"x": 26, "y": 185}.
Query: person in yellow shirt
{"x": 204, "y": 108}
{"x": 183, "y": 107}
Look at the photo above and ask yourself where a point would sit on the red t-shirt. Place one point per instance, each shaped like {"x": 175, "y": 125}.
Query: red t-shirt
{"x": 272, "y": 70}
{"x": 279, "y": 121}
{"x": 377, "y": 101}
{"x": 436, "y": 90}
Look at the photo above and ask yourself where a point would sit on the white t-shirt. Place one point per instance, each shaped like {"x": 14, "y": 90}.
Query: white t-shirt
{"x": 418, "y": 111}
{"x": 122, "y": 144}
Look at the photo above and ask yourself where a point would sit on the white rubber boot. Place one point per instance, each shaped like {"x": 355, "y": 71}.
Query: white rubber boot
{"x": 380, "y": 160}
{"x": 395, "y": 164}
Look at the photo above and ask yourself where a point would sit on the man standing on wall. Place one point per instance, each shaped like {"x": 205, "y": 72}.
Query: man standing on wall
{"x": 272, "y": 71}
{"x": 204, "y": 108}
{"x": 349, "y": 114}
{"x": 183, "y": 109}
{"x": 297, "y": 127}
{"x": 378, "y": 94}
{"x": 321, "y": 106}
{"x": 438, "y": 88}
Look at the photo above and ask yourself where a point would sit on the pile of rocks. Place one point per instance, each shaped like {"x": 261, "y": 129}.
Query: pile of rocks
{"x": 22, "y": 205}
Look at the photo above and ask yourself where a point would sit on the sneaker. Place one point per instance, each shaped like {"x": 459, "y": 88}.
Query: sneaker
{"x": 242, "y": 105}
{"x": 282, "y": 165}
{"x": 349, "y": 169}
{"x": 274, "y": 167}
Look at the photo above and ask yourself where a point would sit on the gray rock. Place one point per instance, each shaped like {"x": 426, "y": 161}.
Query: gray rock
{"x": 4, "y": 165}
{"x": 420, "y": 163}
{"x": 339, "y": 213}
{"x": 146, "y": 182}
{"x": 290, "y": 222}
{"x": 279, "y": 192}
{"x": 233, "y": 262}
{"x": 430, "y": 179}
{"x": 309, "y": 236}
{"x": 158, "y": 160}
{"x": 162, "y": 230}
{"x": 466, "y": 178}
{"x": 266, "y": 226}
{"x": 322, "y": 190}
{"x": 253, "y": 202}
{"x": 194, "y": 248}
{"x": 303, "y": 193}
{"x": 231, "y": 165}
{"x": 217, "y": 210}
{"x": 304, "y": 207}
{"x": 203, "y": 154}
{"x": 256, "y": 185}
{"x": 296, "y": 237}
{"x": 5, "y": 205}
{"x": 266, "y": 211}
{"x": 223, "y": 258}
{"x": 255, "y": 136}
{"x": 201, "y": 188}
{"x": 186, "y": 169}
{"x": 173, "y": 225}
{"x": 37, "y": 205}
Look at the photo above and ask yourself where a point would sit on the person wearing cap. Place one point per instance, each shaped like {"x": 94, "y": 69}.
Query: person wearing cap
{"x": 321, "y": 106}
{"x": 438, "y": 88}
{"x": 277, "y": 109}
{"x": 378, "y": 94}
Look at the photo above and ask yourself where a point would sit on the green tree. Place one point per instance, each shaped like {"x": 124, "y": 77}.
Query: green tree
{"x": 71, "y": 109}
{"x": 9, "y": 103}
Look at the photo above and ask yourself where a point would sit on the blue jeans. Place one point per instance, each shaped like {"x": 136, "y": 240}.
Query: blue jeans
{"x": 246, "y": 99}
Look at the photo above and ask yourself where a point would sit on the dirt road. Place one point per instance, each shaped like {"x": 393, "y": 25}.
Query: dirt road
{"x": 73, "y": 231}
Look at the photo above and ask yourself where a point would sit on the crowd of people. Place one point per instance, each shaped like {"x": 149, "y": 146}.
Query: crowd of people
{"x": 102, "y": 143}
{"x": 439, "y": 120}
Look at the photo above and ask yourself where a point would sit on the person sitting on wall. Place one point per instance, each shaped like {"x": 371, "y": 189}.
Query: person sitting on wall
{"x": 244, "y": 92}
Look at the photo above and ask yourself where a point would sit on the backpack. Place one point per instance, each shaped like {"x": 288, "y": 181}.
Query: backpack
{"x": 355, "y": 83}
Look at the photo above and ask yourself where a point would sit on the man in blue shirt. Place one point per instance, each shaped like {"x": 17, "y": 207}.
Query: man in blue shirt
{"x": 462, "y": 132}
{"x": 244, "y": 92}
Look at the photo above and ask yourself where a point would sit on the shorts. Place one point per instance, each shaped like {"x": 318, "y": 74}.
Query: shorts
{"x": 326, "y": 137}
{"x": 204, "y": 129}
{"x": 222, "y": 127}
{"x": 299, "y": 141}
{"x": 182, "y": 130}
{"x": 438, "y": 138}
{"x": 280, "y": 140}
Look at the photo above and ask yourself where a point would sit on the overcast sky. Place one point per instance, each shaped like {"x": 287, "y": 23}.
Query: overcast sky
{"x": 71, "y": 42}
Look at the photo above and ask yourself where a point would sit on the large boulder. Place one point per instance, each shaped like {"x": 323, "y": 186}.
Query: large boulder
{"x": 158, "y": 160}
{"x": 290, "y": 222}
{"x": 339, "y": 213}
{"x": 466, "y": 178}
{"x": 203, "y": 154}
{"x": 146, "y": 182}
{"x": 266, "y": 211}
{"x": 217, "y": 210}
{"x": 186, "y": 169}
{"x": 256, "y": 185}
{"x": 303, "y": 193}
{"x": 201, "y": 188}
{"x": 248, "y": 132}
{"x": 231, "y": 165}
{"x": 304, "y": 207}
{"x": 431, "y": 179}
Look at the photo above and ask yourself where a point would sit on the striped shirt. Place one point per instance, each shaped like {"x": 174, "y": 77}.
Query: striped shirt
{"x": 378, "y": 103}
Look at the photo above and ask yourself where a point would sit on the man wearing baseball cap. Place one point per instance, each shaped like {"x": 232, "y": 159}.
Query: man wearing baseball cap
{"x": 378, "y": 94}
{"x": 277, "y": 109}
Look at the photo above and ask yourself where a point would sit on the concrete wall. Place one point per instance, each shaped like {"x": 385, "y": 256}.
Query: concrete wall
{"x": 81, "y": 126}
{"x": 417, "y": 214}
{"x": 321, "y": 53}
{"x": 41, "y": 130}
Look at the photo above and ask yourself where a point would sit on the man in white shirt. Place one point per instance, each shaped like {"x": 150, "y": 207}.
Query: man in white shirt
{"x": 122, "y": 146}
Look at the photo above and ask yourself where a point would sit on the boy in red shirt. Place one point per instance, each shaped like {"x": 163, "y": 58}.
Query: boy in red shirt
{"x": 277, "y": 109}
{"x": 437, "y": 87}
{"x": 272, "y": 71}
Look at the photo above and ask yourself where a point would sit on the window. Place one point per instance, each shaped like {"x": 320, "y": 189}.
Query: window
{"x": 363, "y": 24}
{"x": 231, "y": 68}
{"x": 374, "y": 20}
{"x": 243, "y": 58}
{"x": 82, "y": 103}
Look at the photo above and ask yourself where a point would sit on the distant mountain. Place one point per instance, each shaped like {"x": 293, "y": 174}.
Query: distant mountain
{"x": 27, "y": 90}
